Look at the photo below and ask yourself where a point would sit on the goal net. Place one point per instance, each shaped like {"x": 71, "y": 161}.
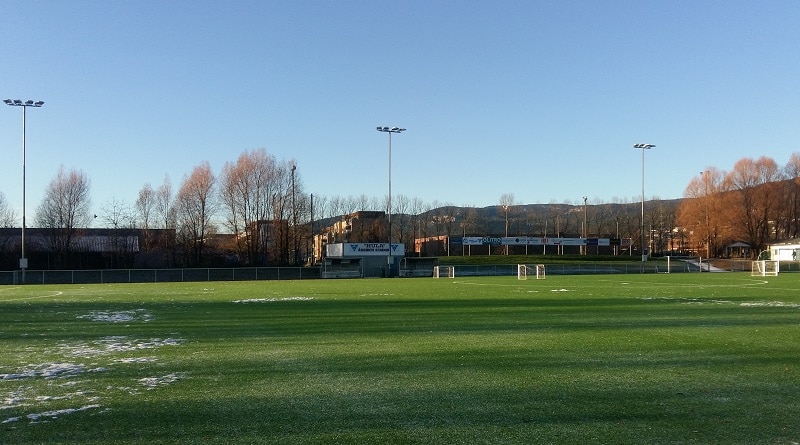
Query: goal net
{"x": 444, "y": 272}
{"x": 764, "y": 268}
{"x": 530, "y": 270}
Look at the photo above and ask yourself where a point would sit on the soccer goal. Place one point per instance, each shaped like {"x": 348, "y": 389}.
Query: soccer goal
{"x": 765, "y": 268}
{"x": 444, "y": 271}
{"x": 532, "y": 270}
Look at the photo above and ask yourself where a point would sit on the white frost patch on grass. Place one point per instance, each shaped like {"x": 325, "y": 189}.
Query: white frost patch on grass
{"x": 50, "y": 371}
{"x": 704, "y": 301}
{"x": 118, "y": 316}
{"x": 155, "y": 382}
{"x": 51, "y": 415}
{"x": 272, "y": 300}
{"x": 116, "y": 344}
{"x": 135, "y": 360}
{"x": 62, "y": 397}
{"x": 771, "y": 304}
{"x": 12, "y": 400}
{"x": 70, "y": 382}
{"x": 685, "y": 300}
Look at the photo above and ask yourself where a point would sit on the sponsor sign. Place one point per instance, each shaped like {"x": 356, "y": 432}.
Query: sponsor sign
{"x": 532, "y": 241}
{"x": 344, "y": 250}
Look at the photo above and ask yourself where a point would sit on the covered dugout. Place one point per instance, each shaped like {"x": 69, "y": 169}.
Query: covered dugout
{"x": 373, "y": 259}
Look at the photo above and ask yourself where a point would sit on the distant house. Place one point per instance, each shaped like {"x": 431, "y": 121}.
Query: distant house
{"x": 738, "y": 249}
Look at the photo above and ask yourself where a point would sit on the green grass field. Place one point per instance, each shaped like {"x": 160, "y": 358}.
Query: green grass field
{"x": 679, "y": 358}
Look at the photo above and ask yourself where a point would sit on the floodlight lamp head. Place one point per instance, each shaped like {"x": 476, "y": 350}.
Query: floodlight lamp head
{"x": 8, "y": 101}
{"x": 38, "y": 103}
{"x": 391, "y": 129}
{"x": 17, "y": 102}
{"x": 29, "y": 103}
{"x": 644, "y": 146}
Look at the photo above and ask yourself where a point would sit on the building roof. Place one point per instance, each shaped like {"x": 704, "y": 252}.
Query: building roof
{"x": 789, "y": 242}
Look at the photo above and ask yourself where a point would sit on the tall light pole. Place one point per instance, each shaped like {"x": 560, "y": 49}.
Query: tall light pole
{"x": 23, "y": 261}
{"x": 585, "y": 228}
{"x": 708, "y": 226}
{"x": 505, "y": 210}
{"x": 643, "y": 147}
{"x": 390, "y": 130}
{"x": 294, "y": 222}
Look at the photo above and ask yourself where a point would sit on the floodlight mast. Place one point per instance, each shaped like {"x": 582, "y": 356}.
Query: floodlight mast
{"x": 23, "y": 261}
{"x": 643, "y": 147}
{"x": 390, "y": 130}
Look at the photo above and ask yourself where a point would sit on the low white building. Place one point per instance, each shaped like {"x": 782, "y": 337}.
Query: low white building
{"x": 788, "y": 250}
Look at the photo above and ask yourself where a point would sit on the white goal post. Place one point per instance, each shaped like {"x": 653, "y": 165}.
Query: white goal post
{"x": 765, "y": 268}
{"x": 533, "y": 270}
{"x": 444, "y": 271}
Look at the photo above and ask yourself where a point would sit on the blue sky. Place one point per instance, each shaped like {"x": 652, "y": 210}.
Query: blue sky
{"x": 540, "y": 99}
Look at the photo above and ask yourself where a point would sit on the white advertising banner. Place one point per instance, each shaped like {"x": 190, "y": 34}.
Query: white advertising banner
{"x": 344, "y": 250}
{"x": 532, "y": 241}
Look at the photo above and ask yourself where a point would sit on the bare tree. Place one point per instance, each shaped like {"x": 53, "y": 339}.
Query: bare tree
{"x": 64, "y": 209}
{"x": 507, "y": 207}
{"x": 118, "y": 215}
{"x": 662, "y": 220}
{"x": 282, "y": 209}
{"x": 145, "y": 206}
{"x": 506, "y": 201}
{"x": 247, "y": 191}
{"x": 164, "y": 206}
{"x": 363, "y": 203}
{"x": 164, "y": 217}
{"x": 449, "y": 214}
{"x": 701, "y": 212}
{"x": 402, "y": 224}
{"x": 792, "y": 197}
{"x": 754, "y": 202}
{"x": 7, "y": 216}
{"x": 195, "y": 207}
{"x": 145, "y": 213}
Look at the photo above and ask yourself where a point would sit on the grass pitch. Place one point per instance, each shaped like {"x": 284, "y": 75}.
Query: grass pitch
{"x": 680, "y": 358}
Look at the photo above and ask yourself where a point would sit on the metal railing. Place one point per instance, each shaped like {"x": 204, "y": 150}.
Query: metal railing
{"x": 303, "y": 273}
{"x": 158, "y": 275}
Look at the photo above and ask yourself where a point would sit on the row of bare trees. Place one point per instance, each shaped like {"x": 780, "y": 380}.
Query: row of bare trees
{"x": 262, "y": 202}
{"x": 258, "y": 199}
{"x": 756, "y": 202}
